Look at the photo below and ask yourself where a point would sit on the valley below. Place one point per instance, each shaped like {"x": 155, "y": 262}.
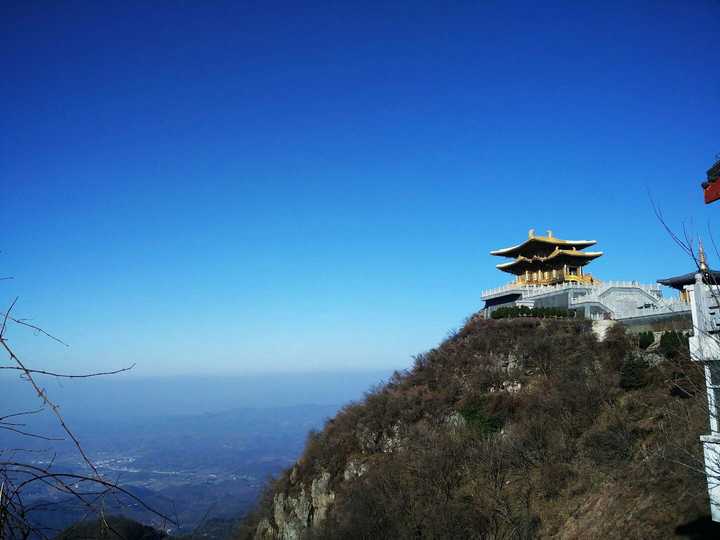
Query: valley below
{"x": 202, "y": 471}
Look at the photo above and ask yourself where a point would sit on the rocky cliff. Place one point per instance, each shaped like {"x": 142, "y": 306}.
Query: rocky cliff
{"x": 513, "y": 428}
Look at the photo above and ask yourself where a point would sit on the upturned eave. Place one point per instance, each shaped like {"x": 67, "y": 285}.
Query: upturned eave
{"x": 541, "y": 241}
{"x": 558, "y": 257}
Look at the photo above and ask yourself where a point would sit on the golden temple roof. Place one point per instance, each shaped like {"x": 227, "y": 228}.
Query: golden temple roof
{"x": 556, "y": 259}
{"x": 541, "y": 246}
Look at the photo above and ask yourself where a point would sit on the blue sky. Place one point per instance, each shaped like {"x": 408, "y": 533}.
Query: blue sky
{"x": 230, "y": 187}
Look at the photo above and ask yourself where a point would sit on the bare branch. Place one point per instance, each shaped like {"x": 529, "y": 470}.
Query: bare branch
{"x": 55, "y": 409}
{"x": 24, "y": 413}
{"x": 39, "y": 473}
{"x": 26, "y": 434}
{"x": 5, "y": 318}
{"x": 23, "y": 322}
{"x": 67, "y": 376}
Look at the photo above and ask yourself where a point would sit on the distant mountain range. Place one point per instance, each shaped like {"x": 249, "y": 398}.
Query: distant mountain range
{"x": 200, "y": 468}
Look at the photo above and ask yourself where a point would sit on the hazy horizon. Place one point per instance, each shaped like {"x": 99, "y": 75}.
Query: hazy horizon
{"x": 117, "y": 396}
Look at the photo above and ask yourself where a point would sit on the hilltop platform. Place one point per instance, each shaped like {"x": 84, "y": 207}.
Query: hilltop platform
{"x": 615, "y": 300}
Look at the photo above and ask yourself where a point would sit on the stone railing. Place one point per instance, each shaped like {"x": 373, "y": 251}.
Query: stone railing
{"x": 664, "y": 307}
{"x": 539, "y": 290}
{"x": 605, "y": 285}
{"x": 497, "y": 290}
{"x": 528, "y": 290}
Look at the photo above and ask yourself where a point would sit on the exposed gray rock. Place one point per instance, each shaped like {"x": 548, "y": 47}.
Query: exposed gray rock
{"x": 511, "y": 387}
{"x": 354, "y": 469}
{"x": 372, "y": 442}
{"x": 600, "y": 328}
{"x": 391, "y": 443}
{"x": 293, "y": 514}
{"x": 322, "y": 498}
{"x": 511, "y": 362}
{"x": 651, "y": 358}
{"x": 455, "y": 420}
{"x": 265, "y": 531}
{"x": 367, "y": 439}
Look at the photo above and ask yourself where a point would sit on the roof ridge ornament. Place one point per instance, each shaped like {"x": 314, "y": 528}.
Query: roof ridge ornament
{"x": 702, "y": 261}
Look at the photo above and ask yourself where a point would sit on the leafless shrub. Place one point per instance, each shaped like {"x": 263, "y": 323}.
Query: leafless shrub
{"x": 19, "y": 473}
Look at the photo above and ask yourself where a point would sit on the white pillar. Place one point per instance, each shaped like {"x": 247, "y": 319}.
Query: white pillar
{"x": 705, "y": 348}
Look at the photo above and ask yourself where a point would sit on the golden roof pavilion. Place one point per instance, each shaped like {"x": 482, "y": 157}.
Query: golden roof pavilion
{"x": 546, "y": 260}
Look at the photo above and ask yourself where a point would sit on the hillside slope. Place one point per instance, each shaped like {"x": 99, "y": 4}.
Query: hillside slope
{"x": 519, "y": 428}
{"x": 110, "y": 528}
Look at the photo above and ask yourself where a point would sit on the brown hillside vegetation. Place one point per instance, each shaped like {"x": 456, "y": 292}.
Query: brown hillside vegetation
{"x": 518, "y": 428}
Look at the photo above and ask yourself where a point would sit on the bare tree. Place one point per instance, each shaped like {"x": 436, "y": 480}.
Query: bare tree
{"x": 19, "y": 472}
